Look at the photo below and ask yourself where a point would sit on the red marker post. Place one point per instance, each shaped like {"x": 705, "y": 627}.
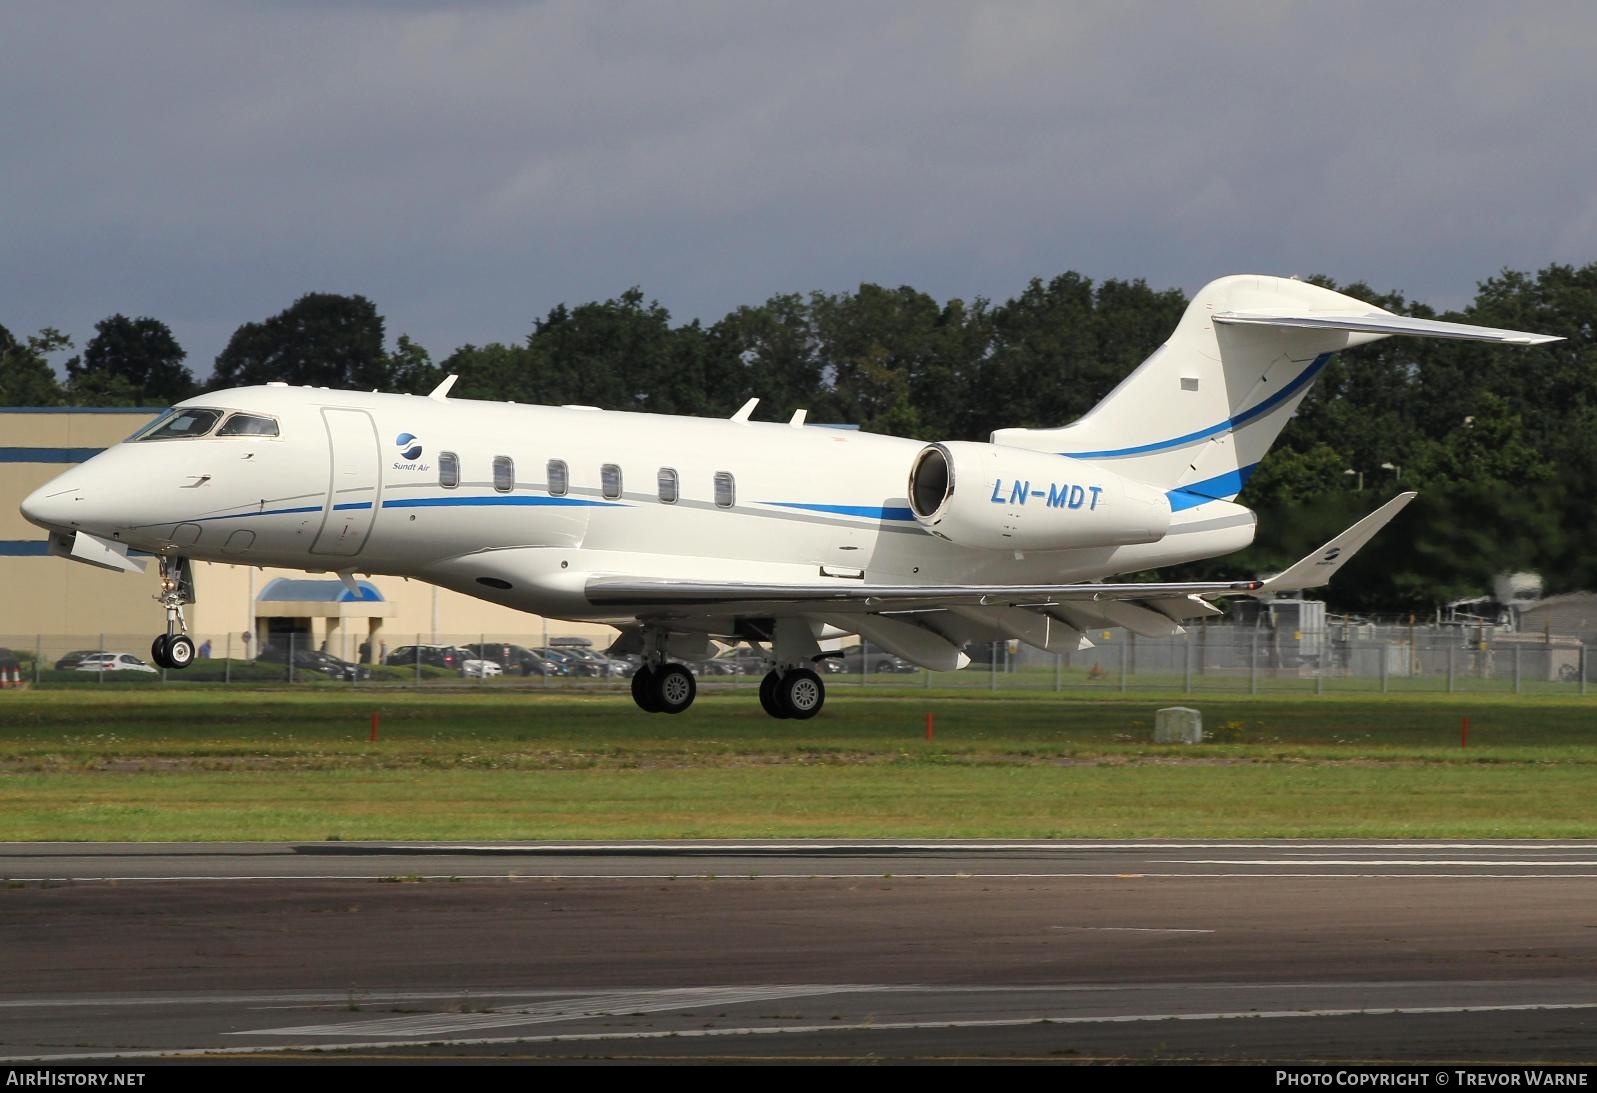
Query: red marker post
{"x": 374, "y": 726}
{"x": 1463, "y": 732}
{"x": 928, "y": 724}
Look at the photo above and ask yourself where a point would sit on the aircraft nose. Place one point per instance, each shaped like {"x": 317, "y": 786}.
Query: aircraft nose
{"x": 52, "y": 505}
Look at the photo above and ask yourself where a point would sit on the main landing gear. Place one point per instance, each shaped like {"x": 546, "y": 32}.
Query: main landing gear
{"x": 669, "y": 688}
{"x": 797, "y": 693}
{"x": 174, "y": 649}
{"x": 791, "y": 689}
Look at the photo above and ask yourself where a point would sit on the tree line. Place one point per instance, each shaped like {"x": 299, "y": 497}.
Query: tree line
{"x": 1501, "y": 443}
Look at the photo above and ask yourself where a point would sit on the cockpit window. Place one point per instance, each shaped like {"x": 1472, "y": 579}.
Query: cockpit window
{"x": 180, "y": 424}
{"x": 248, "y": 425}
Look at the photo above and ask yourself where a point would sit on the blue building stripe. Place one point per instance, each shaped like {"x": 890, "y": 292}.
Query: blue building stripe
{"x": 874, "y": 512}
{"x": 24, "y": 548}
{"x": 1303, "y": 379}
{"x": 48, "y": 455}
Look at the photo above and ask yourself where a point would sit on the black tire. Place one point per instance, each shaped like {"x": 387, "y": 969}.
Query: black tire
{"x": 179, "y": 652}
{"x": 158, "y": 651}
{"x": 802, "y": 693}
{"x": 769, "y": 702}
{"x": 674, "y": 688}
{"x": 643, "y": 690}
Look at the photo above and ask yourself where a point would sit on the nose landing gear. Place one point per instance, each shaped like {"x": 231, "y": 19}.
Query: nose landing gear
{"x": 174, "y": 649}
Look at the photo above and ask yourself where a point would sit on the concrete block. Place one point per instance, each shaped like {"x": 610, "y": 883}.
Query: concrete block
{"x": 1178, "y": 725}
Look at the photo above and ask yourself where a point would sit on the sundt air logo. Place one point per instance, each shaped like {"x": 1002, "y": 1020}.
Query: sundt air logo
{"x": 1330, "y": 556}
{"x": 410, "y": 450}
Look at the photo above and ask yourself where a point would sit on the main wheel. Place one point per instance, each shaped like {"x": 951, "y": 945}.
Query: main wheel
{"x": 643, "y": 690}
{"x": 674, "y": 688}
{"x": 158, "y": 651}
{"x": 179, "y": 651}
{"x": 802, "y": 692}
{"x": 769, "y": 702}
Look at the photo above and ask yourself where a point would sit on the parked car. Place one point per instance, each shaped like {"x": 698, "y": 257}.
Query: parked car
{"x": 75, "y": 658}
{"x": 439, "y": 656}
{"x": 874, "y": 660}
{"x": 516, "y": 659}
{"x": 313, "y": 660}
{"x": 734, "y": 662}
{"x": 113, "y": 662}
{"x": 477, "y": 668}
{"x": 574, "y": 662}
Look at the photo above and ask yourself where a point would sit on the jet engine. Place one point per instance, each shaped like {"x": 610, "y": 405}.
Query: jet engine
{"x": 1001, "y": 498}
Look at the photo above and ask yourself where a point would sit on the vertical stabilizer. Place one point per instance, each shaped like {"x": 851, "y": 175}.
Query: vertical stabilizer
{"x": 1196, "y": 417}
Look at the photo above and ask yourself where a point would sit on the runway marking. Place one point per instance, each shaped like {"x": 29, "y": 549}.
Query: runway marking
{"x": 324, "y": 1047}
{"x": 1134, "y": 929}
{"x": 965, "y": 874}
{"x": 1425, "y": 862}
{"x": 427, "y": 1025}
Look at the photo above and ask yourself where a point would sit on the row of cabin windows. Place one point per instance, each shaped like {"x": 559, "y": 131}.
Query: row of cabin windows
{"x": 560, "y": 479}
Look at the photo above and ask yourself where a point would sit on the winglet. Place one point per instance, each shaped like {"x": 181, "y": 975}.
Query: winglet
{"x": 441, "y": 392}
{"x": 747, "y": 409}
{"x": 1320, "y": 566}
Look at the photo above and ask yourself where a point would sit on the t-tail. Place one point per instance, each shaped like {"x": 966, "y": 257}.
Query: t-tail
{"x": 1197, "y": 416}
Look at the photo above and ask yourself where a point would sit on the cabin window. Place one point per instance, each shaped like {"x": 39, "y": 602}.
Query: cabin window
{"x": 248, "y": 425}
{"x": 610, "y": 480}
{"x": 668, "y": 485}
{"x": 504, "y": 473}
{"x": 180, "y": 424}
{"x": 726, "y": 493}
{"x": 448, "y": 470}
{"x": 559, "y": 478}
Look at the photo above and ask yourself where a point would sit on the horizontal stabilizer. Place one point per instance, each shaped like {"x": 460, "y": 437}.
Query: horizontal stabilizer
{"x": 1318, "y": 568}
{"x": 1381, "y": 322}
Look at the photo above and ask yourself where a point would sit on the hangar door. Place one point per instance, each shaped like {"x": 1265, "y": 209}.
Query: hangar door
{"x": 354, "y": 482}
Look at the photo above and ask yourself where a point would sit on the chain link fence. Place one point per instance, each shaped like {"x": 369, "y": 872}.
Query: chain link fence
{"x": 1218, "y": 657}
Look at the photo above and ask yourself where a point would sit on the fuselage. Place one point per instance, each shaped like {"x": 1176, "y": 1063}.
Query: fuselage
{"x": 520, "y": 505}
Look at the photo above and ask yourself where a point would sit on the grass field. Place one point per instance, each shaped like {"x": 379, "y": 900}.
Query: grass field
{"x": 283, "y": 765}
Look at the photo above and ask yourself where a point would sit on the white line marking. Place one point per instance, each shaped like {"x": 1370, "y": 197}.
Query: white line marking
{"x": 429, "y": 1025}
{"x": 787, "y": 1030}
{"x": 1426, "y": 862}
{"x": 887, "y": 874}
{"x": 1134, "y": 929}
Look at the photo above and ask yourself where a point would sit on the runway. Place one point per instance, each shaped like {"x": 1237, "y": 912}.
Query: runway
{"x": 1063, "y": 952}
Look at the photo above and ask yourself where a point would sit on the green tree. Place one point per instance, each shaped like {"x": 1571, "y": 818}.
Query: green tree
{"x": 130, "y": 362}
{"x": 26, "y": 378}
{"x": 322, "y": 340}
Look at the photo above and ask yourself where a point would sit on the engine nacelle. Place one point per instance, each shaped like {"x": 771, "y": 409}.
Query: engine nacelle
{"x": 1001, "y": 498}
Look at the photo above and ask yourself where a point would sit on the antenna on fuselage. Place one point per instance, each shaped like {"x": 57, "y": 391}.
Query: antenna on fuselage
{"x": 748, "y": 408}
{"x": 441, "y": 392}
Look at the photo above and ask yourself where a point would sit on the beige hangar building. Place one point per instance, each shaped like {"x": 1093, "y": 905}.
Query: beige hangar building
{"x": 53, "y": 605}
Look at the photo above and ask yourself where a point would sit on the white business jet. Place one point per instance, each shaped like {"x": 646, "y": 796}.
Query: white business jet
{"x": 678, "y": 530}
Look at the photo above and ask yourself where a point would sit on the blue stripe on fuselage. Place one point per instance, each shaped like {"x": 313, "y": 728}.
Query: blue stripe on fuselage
{"x": 1302, "y": 380}
{"x": 1222, "y": 487}
{"x": 873, "y": 512}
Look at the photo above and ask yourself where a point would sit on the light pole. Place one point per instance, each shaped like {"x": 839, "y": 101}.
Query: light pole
{"x": 1351, "y": 471}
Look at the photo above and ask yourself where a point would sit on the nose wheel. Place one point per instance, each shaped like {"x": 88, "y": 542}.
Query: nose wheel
{"x": 174, "y": 649}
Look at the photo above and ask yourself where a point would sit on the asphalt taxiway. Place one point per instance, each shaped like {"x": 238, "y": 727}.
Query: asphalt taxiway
{"x": 1255, "y": 951}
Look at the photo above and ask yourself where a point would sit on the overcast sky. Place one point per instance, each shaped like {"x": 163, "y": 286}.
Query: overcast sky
{"x": 469, "y": 165}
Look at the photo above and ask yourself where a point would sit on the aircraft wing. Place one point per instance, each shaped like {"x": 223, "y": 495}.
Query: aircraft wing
{"x": 927, "y": 624}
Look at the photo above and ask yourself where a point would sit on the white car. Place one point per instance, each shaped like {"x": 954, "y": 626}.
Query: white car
{"x": 484, "y": 669}
{"x": 113, "y": 662}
